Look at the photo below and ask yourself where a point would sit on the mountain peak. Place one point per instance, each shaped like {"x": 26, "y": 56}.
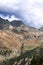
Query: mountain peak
{"x": 16, "y": 23}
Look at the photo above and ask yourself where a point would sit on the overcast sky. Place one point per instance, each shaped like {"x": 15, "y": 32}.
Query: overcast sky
{"x": 29, "y": 11}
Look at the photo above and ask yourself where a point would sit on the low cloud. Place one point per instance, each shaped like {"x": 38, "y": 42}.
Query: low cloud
{"x": 10, "y": 18}
{"x": 29, "y": 11}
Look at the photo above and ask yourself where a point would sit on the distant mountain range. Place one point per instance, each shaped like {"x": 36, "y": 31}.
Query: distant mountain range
{"x": 15, "y": 23}
{"x": 4, "y": 24}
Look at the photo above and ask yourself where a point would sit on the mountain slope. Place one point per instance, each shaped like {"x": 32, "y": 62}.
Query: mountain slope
{"x": 4, "y": 24}
{"x": 7, "y": 40}
{"x": 19, "y": 34}
{"x": 16, "y": 23}
{"x": 14, "y": 35}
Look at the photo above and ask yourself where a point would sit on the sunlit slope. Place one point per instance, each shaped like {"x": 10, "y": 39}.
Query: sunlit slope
{"x": 8, "y": 40}
{"x": 12, "y": 40}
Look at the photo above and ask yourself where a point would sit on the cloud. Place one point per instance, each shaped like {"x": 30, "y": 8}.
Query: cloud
{"x": 10, "y": 18}
{"x": 29, "y": 11}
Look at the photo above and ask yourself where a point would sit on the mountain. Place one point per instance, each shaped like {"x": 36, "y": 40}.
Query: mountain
{"x": 16, "y": 37}
{"x": 20, "y": 28}
{"x": 4, "y": 24}
{"x": 20, "y": 32}
{"x": 41, "y": 29}
{"x": 16, "y": 23}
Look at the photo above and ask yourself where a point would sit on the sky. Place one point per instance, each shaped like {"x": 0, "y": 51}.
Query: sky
{"x": 29, "y": 12}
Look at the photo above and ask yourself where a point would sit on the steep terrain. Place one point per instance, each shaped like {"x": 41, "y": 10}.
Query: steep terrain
{"x": 15, "y": 35}
{"x": 4, "y": 24}
{"x": 7, "y": 40}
